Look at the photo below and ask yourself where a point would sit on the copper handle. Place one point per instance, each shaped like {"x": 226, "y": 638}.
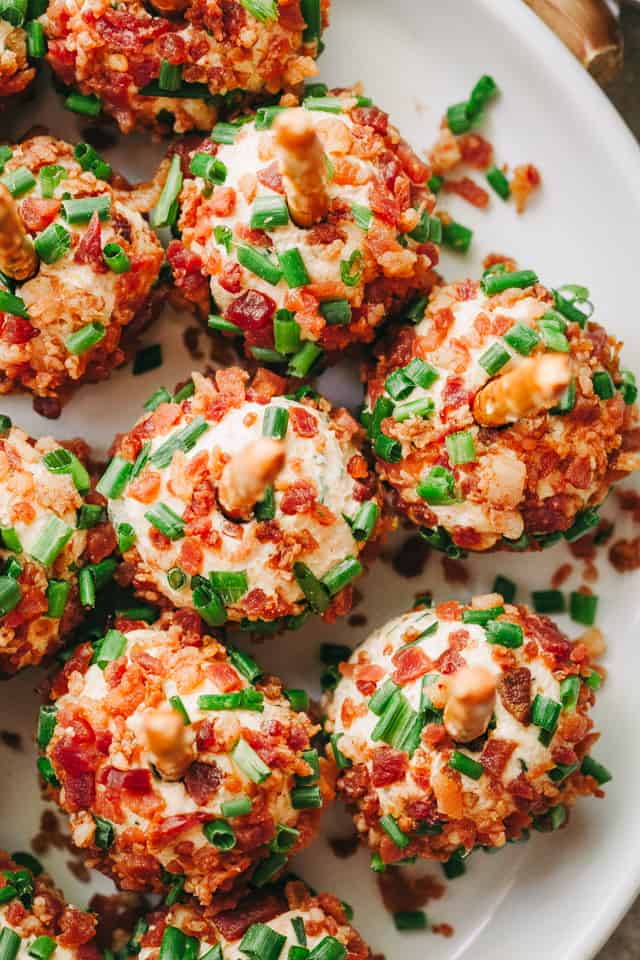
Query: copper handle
{"x": 589, "y": 29}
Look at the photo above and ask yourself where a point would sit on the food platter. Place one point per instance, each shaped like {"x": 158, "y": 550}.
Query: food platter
{"x": 562, "y": 893}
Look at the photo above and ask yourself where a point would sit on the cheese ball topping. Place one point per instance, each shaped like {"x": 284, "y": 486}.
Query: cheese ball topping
{"x": 244, "y": 503}
{"x": 35, "y": 920}
{"x": 529, "y": 456}
{"x": 53, "y": 538}
{"x": 312, "y": 224}
{"x": 272, "y": 923}
{"x": 180, "y": 763}
{"x": 462, "y": 726}
{"x": 176, "y": 64}
{"x": 84, "y": 263}
{"x": 16, "y": 72}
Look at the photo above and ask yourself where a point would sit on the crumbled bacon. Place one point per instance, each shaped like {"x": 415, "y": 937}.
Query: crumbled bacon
{"x": 37, "y": 213}
{"x": 389, "y": 766}
{"x": 298, "y": 497}
{"x": 270, "y": 177}
{"x": 303, "y": 422}
{"x": 258, "y": 907}
{"x": 89, "y": 250}
{"x": 515, "y": 692}
{"x": 201, "y": 781}
{"x": 495, "y": 756}
{"x": 16, "y": 330}
{"x": 253, "y": 311}
{"x": 469, "y": 190}
{"x": 137, "y": 780}
{"x": 476, "y": 151}
{"x": 410, "y": 663}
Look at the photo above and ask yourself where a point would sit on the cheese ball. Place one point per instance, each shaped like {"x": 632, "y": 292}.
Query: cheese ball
{"x": 53, "y": 539}
{"x": 79, "y": 264}
{"x": 503, "y": 416}
{"x": 175, "y": 63}
{"x": 244, "y": 503}
{"x": 181, "y": 765}
{"x": 16, "y": 70}
{"x": 463, "y": 726}
{"x": 304, "y": 228}
{"x": 35, "y": 918}
{"x": 269, "y": 923}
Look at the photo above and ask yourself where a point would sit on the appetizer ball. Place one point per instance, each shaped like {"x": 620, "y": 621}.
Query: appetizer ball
{"x": 271, "y": 924}
{"x": 176, "y": 62}
{"x": 502, "y": 416}
{"x": 79, "y": 265}
{"x": 179, "y": 762}
{"x": 462, "y": 726}
{"x": 312, "y": 224}
{"x": 16, "y": 70}
{"x": 54, "y": 544}
{"x": 244, "y": 503}
{"x": 35, "y": 921}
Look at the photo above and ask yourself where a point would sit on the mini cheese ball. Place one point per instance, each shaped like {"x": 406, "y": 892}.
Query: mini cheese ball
{"x": 35, "y": 920}
{"x": 79, "y": 264}
{"x": 244, "y": 503}
{"x": 181, "y": 764}
{"x": 503, "y": 416}
{"x": 55, "y": 545}
{"x": 16, "y": 70}
{"x": 463, "y": 726}
{"x": 306, "y": 226}
{"x": 273, "y": 924}
{"x": 175, "y": 63}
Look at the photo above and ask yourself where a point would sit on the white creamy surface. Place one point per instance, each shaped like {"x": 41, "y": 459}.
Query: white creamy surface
{"x": 381, "y": 646}
{"x": 321, "y": 459}
{"x": 174, "y": 794}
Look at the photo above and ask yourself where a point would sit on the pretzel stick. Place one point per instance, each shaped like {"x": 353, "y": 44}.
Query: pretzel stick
{"x": 470, "y": 704}
{"x": 302, "y": 165}
{"x": 248, "y": 474}
{"x": 18, "y": 258}
{"x": 170, "y": 742}
{"x": 534, "y": 385}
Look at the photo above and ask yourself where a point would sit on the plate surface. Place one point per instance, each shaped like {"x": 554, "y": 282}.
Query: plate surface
{"x": 561, "y": 895}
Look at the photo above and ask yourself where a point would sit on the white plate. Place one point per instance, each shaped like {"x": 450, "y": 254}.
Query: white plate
{"x": 560, "y": 896}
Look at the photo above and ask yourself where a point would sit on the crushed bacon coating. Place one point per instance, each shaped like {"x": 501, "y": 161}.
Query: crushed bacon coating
{"x": 31, "y": 496}
{"x": 117, "y": 53}
{"x": 530, "y": 477}
{"x": 63, "y": 296}
{"x": 525, "y": 179}
{"x": 321, "y": 915}
{"x": 47, "y": 915}
{"x": 105, "y": 760}
{"x": 313, "y": 483}
{"x": 420, "y": 783}
{"x": 362, "y": 263}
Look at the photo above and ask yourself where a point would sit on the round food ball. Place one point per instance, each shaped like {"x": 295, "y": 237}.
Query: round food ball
{"x": 35, "y": 917}
{"x": 321, "y": 212}
{"x": 52, "y": 536}
{"x": 83, "y": 264}
{"x": 244, "y": 503}
{"x": 174, "y": 63}
{"x": 275, "y": 919}
{"x": 463, "y": 726}
{"x": 16, "y": 72}
{"x": 501, "y": 417}
{"x": 181, "y": 764}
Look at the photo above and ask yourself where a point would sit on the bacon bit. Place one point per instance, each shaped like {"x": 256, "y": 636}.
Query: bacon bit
{"x": 224, "y": 677}
{"x": 201, "y": 781}
{"x": 401, "y": 891}
{"x": 417, "y": 171}
{"x": 38, "y": 213}
{"x": 624, "y": 555}
{"x": 384, "y": 205}
{"x": 190, "y": 556}
{"x": 366, "y": 677}
{"x": 521, "y": 788}
{"x": 171, "y": 827}
{"x": 450, "y": 610}
{"x": 389, "y": 766}
{"x": 496, "y": 755}
{"x": 525, "y": 180}
{"x": 476, "y": 151}
{"x": 134, "y": 781}
{"x": 324, "y": 234}
{"x": 514, "y": 689}
{"x": 410, "y": 663}
{"x": 159, "y": 540}
{"x": 222, "y": 202}
{"x": 371, "y": 117}
{"x": 298, "y": 497}
{"x": 187, "y": 271}
{"x": 449, "y": 795}
{"x": 16, "y": 330}
{"x": 253, "y": 311}
{"x": 270, "y": 177}
{"x": 454, "y": 396}
{"x": 146, "y": 487}
{"x": 469, "y": 190}
{"x": 265, "y": 385}
{"x": 89, "y": 250}
{"x": 230, "y": 277}
{"x": 348, "y": 712}
{"x": 101, "y": 542}
{"x": 303, "y": 422}
{"x": 258, "y": 907}
{"x": 494, "y": 258}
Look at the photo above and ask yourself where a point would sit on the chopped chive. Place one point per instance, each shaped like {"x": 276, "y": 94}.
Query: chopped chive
{"x": 51, "y": 175}
{"x": 9, "y": 303}
{"x": 86, "y": 106}
{"x": 314, "y": 590}
{"x": 302, "y": 362}
{"x": 184, "y": 440}
{"x": 239, "y": 807}
{"x": 265, "y": 509}
{"x": 342, "y": 762}
{"x": 455, "y": 866}
{"x": 5, "y": 154}
{"x": 13, "y": 568}
{"x": 224, "y": 133}
{"x": 429, "y": 228}
{"x": 104, "y": 833}
{"x": 275, "y": 422}
{"x": 126, "y": 537}
{"x": 494, "y": 283}
{"x": 89, "y": 159}
{"x": 161, "y": 395}
{"x": 437, "y": 486}
{"x": 57, "y": 596}
{"x": 504, "y": 633}
{"x": 312, "y": 760}
{"x": 230, "y": 585}
{"x": 362, "y": 215}
{"x": 627, "y": 387}
{"x": 42, "y": 947}
{"x": 220, "y": 834}
{"x": 90, "y": 515}
{"x": 365, "y": 521}
{"x": 324, "y": 104}
{"x": 393, "y": 831}
{"x": 458, "y": 119}
{"x": 522, "y": 338}
{"x": 381, "y": 698}
{"x": 409, "y": 920}
{"x": 423, "y": 407}
{"x": 584, "y": 521}
{"x": 499, "y": 182}
{"x": 249, "y": 762}
{"x": 583, "y": 607}
{"x": 85, "y": 338}
{"x": 178, "y": 705}
{"x": 224, "y": 326}
{"x": 545, "y": 714}
{"x": 46, "y": 771}
{"x": 147, "y": 359}
{"x": 460, "y": 447}
{"x": 51, "y": 541}
{"x": 548, "y": 601}
{"x": 494, "y": 359}
{"x": 484, "y": 91}
{"x": 10, "y": 539}
{"x": 481, "y": 616}
{"x": 9, "y": 943}
{"x": 170, "y": 76}
{"x": 286, "y": 332}
{"x": 603, "y": 385}
{"x": 46, "y": 725}
{"x": 593, "y": 680}
{"x": 267, "y": 355}
{"x": 416, "y": 310}
{"x": 386, "y": 448}
{"x": 456, "y": 236}
{"x": 336, "y": 312}
{"x": 567, "y": 401}
{"x": 18, "y": 182}
{"x": 566, "y": 307}
{"x": 569, "y": 692}
{"x": 293, "y": 268}
{"x": 421, "y": 373}
{"x": 52, "y": 243}
{"x": 262, "y": 10}
{"x": 110, "y": 648}
{"x": 285, "y": 838}
{"x": 561, "y": 771}
{"x": 591, "y": 768}
{"x": 312, "y": 16}
{"x": 351, "y": 269}
{"x": 299, "y": 699}
{"x": 465, "y": 765}
{"x": 115, "y": 258}
{"x": 259, "y": 263}
{"x": 265, "y": 116}
{"x": 269, "y": 211}
{"x": 62, "y": 461}
{"x": 244, "y": 664}
{"x": 165, "y": 211}
{"x": 341, "y": 574}
{"x": 208, "y": 604}
{"x": 398, "y": 385}
{"x": 80, "y": 210}
{"x": 164, "y": 519}
{"x": 552, "y": 331}
{"x": 505, "y": 587}
{"x": 306, "y": 798}
{"x": 399, "y": 725}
